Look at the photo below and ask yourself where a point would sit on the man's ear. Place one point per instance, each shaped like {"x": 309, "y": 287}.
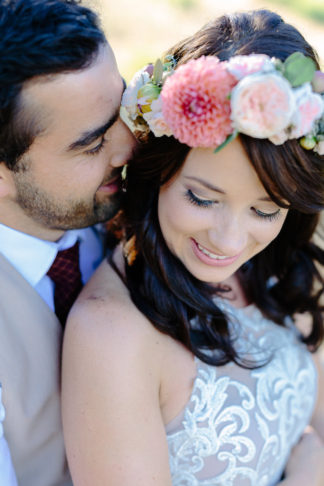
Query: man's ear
{"x": 7, "y": 184}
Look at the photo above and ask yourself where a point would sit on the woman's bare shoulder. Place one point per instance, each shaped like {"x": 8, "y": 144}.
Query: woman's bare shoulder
{"x": 104, "y": 315}
{"x": 111, "y": 379}
{"x": 106, "y": 284}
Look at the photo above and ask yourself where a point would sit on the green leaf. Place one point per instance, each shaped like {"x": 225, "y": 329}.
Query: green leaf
{"x": 150, "y": 91}
{"x": 170, "y": 63}
{"x": 279, "y": 65}
{"x": 228, "y": 140}
{"x": 158, "y": 72}
{"x": 299, "y": 69}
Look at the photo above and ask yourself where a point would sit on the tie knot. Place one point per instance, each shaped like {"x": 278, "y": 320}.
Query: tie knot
{"x": 66, "y": 275}
{"x": 66, "y": 264}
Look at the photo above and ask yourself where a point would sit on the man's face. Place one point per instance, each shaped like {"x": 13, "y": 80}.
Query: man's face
{"x": 70, "y": 176}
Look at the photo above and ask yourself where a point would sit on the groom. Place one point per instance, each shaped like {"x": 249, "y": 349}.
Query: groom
{"x": 62, "y": 146}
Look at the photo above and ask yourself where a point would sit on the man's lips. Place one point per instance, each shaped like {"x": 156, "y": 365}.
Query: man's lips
{"x": 111, "y": 186}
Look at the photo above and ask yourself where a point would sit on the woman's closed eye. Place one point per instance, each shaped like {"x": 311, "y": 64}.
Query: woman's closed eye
{"x": 198, "y": 201}
{"x": 267, "y": 216}
{"x": 206, "y": 203}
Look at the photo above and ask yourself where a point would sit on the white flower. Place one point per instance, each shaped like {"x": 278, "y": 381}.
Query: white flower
{"x": 280, "y": 137}
{"x": 319, "y": 147}
{"x": 318, "y": 82}
{"x": 155, "y": 120}
{"x": 129, "y": 99}
{"x": 262, "y": 105}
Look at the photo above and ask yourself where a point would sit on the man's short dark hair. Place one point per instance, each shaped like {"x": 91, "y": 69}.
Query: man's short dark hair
{"x": 37, "y": 38}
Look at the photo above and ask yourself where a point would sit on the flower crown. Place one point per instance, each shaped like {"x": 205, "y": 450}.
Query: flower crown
{"x": 207, "y": 102}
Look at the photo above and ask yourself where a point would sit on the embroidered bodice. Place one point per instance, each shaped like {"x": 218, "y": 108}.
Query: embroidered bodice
{"x": 239, "y": 425}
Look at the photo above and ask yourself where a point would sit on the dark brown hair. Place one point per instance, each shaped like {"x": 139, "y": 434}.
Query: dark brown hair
{"x": 159, "y": 284}
{"x": 38, "y": 38}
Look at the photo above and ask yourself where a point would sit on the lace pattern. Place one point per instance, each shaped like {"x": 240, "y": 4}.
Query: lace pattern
{"x": 239, "y": 425}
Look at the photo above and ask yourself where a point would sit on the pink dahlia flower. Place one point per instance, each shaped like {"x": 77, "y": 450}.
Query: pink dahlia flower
{"x": 262, "y": 105}
{"x": 196, "y": 103}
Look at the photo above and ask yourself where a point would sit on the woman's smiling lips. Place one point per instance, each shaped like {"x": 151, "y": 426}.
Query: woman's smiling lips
{"x": 211, "y": 258}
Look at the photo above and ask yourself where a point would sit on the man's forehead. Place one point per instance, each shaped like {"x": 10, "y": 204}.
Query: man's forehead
{"x": 39, "y": 87}
{"x": 86, "y": 104}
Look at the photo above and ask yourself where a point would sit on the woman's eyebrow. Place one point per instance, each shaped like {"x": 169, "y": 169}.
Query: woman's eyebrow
{"x": 205, "y": 183}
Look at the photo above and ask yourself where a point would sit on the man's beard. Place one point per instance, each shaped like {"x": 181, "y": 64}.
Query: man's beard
{"x": 45, "y": 210}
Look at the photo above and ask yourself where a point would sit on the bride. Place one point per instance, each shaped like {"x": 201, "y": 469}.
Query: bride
{"x": 190, "y": 358}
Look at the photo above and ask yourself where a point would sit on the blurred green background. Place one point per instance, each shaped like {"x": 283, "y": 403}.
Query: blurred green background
{"x": 141, "y": 30}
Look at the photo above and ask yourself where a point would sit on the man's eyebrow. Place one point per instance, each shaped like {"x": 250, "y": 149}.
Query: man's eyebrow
{"x": 88, "y": 137}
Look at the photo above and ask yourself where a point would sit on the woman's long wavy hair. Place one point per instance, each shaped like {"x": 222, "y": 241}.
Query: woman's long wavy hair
{"x": 159, "y": 284}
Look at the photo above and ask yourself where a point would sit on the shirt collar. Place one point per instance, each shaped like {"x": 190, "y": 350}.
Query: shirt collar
{"x": 31, "y": 256}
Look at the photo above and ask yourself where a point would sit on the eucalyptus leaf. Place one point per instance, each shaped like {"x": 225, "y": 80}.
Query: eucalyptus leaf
{"x": 158, "y": 72}
{"x": 299, "y": 69}
{"x": 228, "y": 140}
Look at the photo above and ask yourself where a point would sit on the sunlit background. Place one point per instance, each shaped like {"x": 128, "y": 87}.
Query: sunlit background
{"x": 141, "y": 30}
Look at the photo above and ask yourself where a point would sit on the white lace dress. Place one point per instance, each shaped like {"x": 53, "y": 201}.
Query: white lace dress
{"x": 239, "y": 425}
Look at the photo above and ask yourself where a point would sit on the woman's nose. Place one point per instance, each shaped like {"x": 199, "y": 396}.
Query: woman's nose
{"x": 228, "y": 238}
{"x": 124, "y": 143}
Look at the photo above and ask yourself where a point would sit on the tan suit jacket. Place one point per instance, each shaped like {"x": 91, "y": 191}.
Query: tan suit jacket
{"x": 30, "y": 352}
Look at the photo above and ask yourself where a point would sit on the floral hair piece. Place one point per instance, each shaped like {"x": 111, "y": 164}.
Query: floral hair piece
{"x": 207, "y": 102}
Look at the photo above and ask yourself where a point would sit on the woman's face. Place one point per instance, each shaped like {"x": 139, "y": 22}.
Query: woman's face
{"x": 215, "y": 214}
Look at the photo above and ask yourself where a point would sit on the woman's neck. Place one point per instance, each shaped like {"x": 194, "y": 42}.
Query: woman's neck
{"x": 235, "y": 294}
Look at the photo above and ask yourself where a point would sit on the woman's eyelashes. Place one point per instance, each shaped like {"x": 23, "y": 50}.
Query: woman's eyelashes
{"x": 205, "y": 203}
{"x": 268, "y": 216}
{"x": 197, "y": 201}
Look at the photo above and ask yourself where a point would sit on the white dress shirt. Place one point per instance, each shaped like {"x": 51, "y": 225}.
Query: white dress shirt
{"x": 32, "y": 258}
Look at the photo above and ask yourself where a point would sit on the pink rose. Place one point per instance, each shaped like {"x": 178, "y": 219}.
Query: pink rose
{"x": 240, "y": 66}
{"x": 262, "y": 105}
{"x": 309, "y": 107}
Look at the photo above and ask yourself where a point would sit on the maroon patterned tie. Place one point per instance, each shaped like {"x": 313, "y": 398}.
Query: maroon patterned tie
{"x": 66, "y": 275}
